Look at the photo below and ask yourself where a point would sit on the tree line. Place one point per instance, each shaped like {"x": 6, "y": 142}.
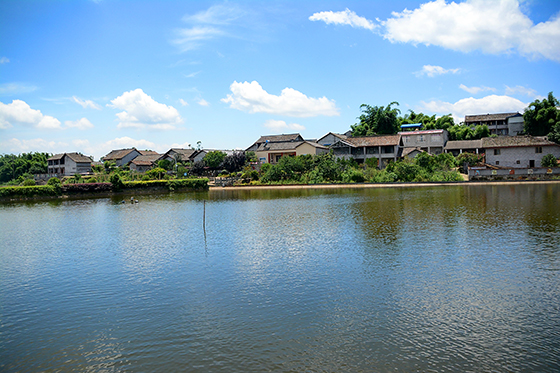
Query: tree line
{"x": 542, "y": 118}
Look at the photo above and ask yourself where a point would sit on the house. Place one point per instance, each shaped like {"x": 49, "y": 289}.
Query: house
{"x": 518, "y": 151}
{"x": 271, "y": 152}
{"x": 68, "y": 164}
{"x": 464, "y": 146}
{"x": 293, "y": 137}
{"x": 501, "y": 124}
{"x": 143, "y": 163}
{"x": 184, "y": 155}
{"x": 330, "y": 138}
{"x": 431, "y": 141}
{"x": 121, "y": 157}
{"x": 384, "y": 148}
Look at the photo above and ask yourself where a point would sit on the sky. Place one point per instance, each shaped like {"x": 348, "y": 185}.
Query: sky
{"x": 92, "y": 76}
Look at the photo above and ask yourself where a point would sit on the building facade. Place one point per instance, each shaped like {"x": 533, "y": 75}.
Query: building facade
{"x": 68, "y": 164}
{"x": 518, "y": 151}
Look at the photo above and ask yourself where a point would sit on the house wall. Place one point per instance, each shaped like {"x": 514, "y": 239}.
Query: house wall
{"x": 328, "y": 140}
{"x": 305, "y": 148}
{"x": 515, "y": 125}
{"x": 509, "y": 157}
{"x": 433, "y": 143}
{"x": 127, "y": 158}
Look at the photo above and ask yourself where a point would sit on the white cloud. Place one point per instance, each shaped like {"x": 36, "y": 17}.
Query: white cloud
{"x": 18, "y": 146}
{"x": 86, "y": 103}
{"x": 203, "y": 102}
{"x": 183, "y": 102}
{"x": 280, "y": 125}
{"x": 523, "y": 91}
{"x": 192, "y": 75}
{"x": 431, "y": 71}
{"x": 346, "y": 17}
{"x": 207, "y": 25}
{"x": 19, "y": 112}
{"x": 472, "y": 106}
{"x": 81, "y": 124}
{"x": 141, "y": 111}
{"x": 16, "y": 88}
{"x": 4, "y": 60}
{"x": 494, "y": 27}
{"x": 251, "y": 97}
{"x": 475, "y": 90}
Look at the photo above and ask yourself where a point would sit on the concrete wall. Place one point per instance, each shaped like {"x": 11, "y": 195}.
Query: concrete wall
{"x": 515, "y": 126}
{"x": 520, "y": 156}
{"x": 514, "y": 173}
{"x": 433, "y": 143}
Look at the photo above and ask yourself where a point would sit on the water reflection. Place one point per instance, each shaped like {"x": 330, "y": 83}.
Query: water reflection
{"x": 461, "y": 278}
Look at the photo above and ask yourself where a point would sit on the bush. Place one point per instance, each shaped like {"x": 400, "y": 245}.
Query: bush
{"x": 353, "y": 175}
{"x": 28, "y": 191}
{"x": 372, "y": 162}
{"x": 549, "y": 161}
{"x": 28, "y": 182}
{"x": 117, "y": 182}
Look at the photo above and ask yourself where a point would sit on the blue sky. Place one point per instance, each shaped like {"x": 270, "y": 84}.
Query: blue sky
{"x": 91, "y": 76}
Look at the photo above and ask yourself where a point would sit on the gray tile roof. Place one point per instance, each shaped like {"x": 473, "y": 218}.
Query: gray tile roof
{"x": 371, "y": 141}
{"x": 488, "y": 117}
{"x": 288, "y": 145}
{"x": 118, "y": 154}
{"x": 464, "y": 144}
{"x": 516, "y": 141}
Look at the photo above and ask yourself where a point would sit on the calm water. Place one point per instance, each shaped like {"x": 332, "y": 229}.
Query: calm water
{"x": 446, "y": 279}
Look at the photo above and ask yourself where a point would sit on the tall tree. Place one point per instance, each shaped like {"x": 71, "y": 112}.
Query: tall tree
{"x": 541, "y": 117}
{"x": 377, "y": 120}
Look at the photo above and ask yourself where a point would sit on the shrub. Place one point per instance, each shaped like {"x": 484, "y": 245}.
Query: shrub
{"x": 117, "y": 182}
{"x": 549, "y": 160}
{"x": 28, "y": 182}
{"x": 353, "y": 175}
{"x": 372, "y": 162}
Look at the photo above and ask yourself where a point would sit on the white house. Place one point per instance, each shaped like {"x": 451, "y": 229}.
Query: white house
{"x": 518, "y": 151}
{"x": 68, "y": 164}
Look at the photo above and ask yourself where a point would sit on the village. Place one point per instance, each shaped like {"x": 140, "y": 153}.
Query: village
{"x": 506, "y": 154}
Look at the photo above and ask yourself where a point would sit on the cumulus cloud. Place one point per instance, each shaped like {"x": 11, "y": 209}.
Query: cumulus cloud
{"x": 142, "y": 111}
{"x": 346, "y": 17}
{"x": 81, "y": 124}
{"x": 4, "y": 60}
{"x": 251, "y": 97}
{"x": 431, "y": 71}
{"x": 18, "y": 146}
{"x": 471, "y": 106}
{"x": 493, "y": 27}
{"x": 523, "y": 91}
{"x": 20, "y": 113}
{"x": 86, "y": 103}
{"x": 280, "y": 125}
{"x": 203, "y": 102}
{"x": 475, "y": 90}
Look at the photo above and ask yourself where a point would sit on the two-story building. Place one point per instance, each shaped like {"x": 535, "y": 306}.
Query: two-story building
{"x": 501, "y": 124}
{"x": 68, "y": 164}
{"x": 430, "y": 141}
{"x": 384, "y": 148}
{"x": 121, "y": 157}
{"x": 518, "y": 151}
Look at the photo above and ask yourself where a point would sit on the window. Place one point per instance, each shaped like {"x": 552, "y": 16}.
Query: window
{"x": 518, "y": 162}
{"x": 421, "y": 138}
{"x": 497, "y": 163}
{"x": 538, "y": 149}
{"x": 496, "y": 151}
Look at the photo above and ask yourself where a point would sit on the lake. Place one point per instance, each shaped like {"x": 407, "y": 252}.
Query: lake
{"x": 461, "y": 278}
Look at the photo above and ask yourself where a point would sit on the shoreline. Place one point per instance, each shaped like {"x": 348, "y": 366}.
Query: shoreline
{"x": 379, "y": 185}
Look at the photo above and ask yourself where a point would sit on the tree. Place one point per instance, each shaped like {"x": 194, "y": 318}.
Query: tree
{"x": 165, "y": 164}
{"x": 234, "y": 162}
{"x": 214, "y": 158}
{"x": 412, "y": 118}
{"x": 377, "y": 120}
{"x": 542, "y": 117}
{"x": 549, "y": 160}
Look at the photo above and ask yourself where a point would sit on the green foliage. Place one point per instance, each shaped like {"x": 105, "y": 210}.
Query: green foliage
{"x": 166, "y": 164}
{"x": 470, "y": 158}
{"x": 214, "y": 159}
{"x": 28, "y": 191}
{"x": 28, "y": 182}
{"x": 377, "y": 120}
{"x": 156, "y": 173}
{"x": 251, "y": 157}
{"x": 543, "y": 117}
{"x": 353, "y": 175}
{"x": 466, "y": 133}
{"x": 175, "y": 184}
{"x": 117, "y": 182}
{"x": 14, "y": 166}
{"x": 54, "y": 181}
{"x": 412, "y": 118}
{"x": 234, "y": 162}
{"x": 372, "y": 162}
{"x": 549, "y": 160}
{"x": 445, "y": 161}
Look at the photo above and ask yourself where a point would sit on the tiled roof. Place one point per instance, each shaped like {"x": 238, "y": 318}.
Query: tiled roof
{"x": 287, "y": 145}
{"x": 147, "y": 152}
{"x": 407, "y": 151}
{"x": 425, "y": 132}
{"x": 371, "y": 141}
{"x": 464, "y": 144}
{"x": 185, "y": 153}
{"x": 280, "y": 138}
{"x": 515, "y": 141}
{"x": 78, "y": 158}
{"x": 145, "y": 160}
{"x": 488, "y": 117}
{"x": 118, "y": 154}
{"x": 337, "y": 135}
